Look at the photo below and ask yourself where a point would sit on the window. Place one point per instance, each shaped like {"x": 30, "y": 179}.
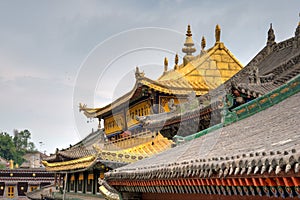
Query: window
{"x": 132, "y": 115}
{"x": 10, "y": 191}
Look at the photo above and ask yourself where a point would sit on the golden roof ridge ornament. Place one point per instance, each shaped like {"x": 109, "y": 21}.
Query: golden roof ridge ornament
{"x": 218, "y": 33}
{"x": 188, "y": 46}
{"x": 166, "y": 63}
{"x": 176, "y": 62}
{"x": 203, "y": 45}
{"x": 189, "y": 32}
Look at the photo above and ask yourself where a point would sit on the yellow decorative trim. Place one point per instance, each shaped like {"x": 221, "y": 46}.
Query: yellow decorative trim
{"x": 70, "y": 162}
{"x": 252, "y": 106}
{"x": 263, "y": 100}
{"x": 294, "y": 84}
{"x": 91, "y": 176}
{"x": 70, "y": 165}
{"x": 138, "y": 152}
{"x": 284, "y": 90}
{"x": 240, "y": 111}
{"x": 81, "y": 177}
{"x": 274, "y": 95}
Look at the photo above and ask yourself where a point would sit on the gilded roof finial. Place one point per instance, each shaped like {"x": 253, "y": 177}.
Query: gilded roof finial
{"x": 176, "y": 61}
{"x": 166, "y": 64}
{"x": 203, "y": 43}
{"x": 218, "y": 33}
{"x": 189, "y": 32}
{"x": 188, "y": 46}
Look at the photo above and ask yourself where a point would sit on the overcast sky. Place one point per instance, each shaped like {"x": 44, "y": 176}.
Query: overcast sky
{"x": 55, "y": 54}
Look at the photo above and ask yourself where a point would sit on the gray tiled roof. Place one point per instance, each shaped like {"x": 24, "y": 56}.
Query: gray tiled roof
{"x": 269, "y": 134}
{"x": 79, "y": 150}
{"x": 280, "y": 61}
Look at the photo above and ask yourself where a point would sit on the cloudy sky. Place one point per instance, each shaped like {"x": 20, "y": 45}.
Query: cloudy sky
{"x": 55, "y": 54}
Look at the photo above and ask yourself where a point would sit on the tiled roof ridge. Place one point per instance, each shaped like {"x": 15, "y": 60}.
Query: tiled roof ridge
{"x": 261, "y": 55}
{"x": 135, "y": 153}
{"x": 164, "y": 118}
{"x": 248, "y": 109}
{"x": 274, "y": 78}
{"x": 245, "y": 164}
{"x": 77, "y": 164}
{"x": 69, "y": 162}
{"x": 108, "y": 191}
{"x": 272, "y": 161}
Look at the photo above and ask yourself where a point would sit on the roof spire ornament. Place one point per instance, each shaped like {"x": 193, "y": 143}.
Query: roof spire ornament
{"x": 189, "y": 46}
{"x": 166, "y": 64}
{"x": 218, "y": 33}
{"x": 176, "y": 62}
{"x": 189, "y": 32}
{"x": 138, "y": 74}
{"x": 296, "y": 42}
{"x": 271, "y": 36}
{"x": 297, "y": 32}
{"x": 203, "y": 43}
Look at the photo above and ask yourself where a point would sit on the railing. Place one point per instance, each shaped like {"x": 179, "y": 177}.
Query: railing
{"x": 129, "y": 141}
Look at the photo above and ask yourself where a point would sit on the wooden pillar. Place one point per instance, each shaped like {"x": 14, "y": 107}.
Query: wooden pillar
{"x": 59, "y": 180}
{"x": 65, "y": 185}
{"x": 125, "y": 118}
{"x": 55, "y": 179}
{"x": 76, "y": 183}
{"x": 96, "y": 177}
{"x": 85, "y": 178}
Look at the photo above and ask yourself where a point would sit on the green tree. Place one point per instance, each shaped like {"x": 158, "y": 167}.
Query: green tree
{"x": 2, "y": 166}
{"x": 22, "y": 141}
{"x": 8, "y": 149}
{"x": 15, "y": 147}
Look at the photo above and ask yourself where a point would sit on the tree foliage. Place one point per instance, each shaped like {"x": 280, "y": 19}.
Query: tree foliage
{"x": 15, "y": 147}
{"x": 21, "y": 141}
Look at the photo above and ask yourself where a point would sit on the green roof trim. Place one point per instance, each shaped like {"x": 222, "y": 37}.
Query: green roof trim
{"x": 250, "y": 108}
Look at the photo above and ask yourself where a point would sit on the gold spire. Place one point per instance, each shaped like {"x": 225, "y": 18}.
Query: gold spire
{"x": 218, "y": 33}
{"x": 176, "y": 61}
{"x": 11, "y": 164}
{"x": 203, "y": 43}
{"x": 188, "y": 46}
{"x": 189, "y": 32}
{"x": 166, "y": 64}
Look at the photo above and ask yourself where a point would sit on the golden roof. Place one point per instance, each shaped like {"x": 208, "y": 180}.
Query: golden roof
{"x": 204, "y": 72}
{"x": 129, "y": 155}
{"x": 156, "y": 145}
{"x": 76, "y": 164}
